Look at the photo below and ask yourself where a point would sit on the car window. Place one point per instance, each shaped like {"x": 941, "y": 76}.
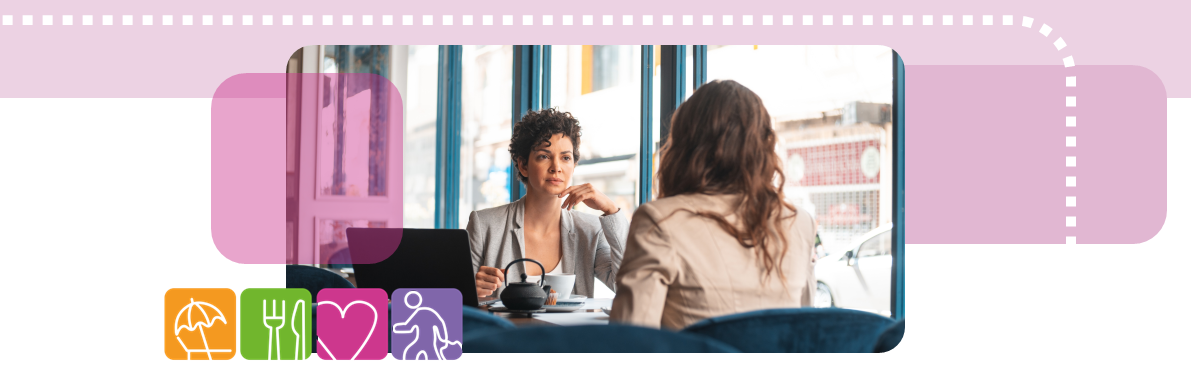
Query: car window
{"x": 876, "y": 246}
{"x": 885, "y": 243}
{"x": 869, "y": 248}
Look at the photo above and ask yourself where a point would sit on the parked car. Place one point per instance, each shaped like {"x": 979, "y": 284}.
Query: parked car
{"x": 859, "y": 277}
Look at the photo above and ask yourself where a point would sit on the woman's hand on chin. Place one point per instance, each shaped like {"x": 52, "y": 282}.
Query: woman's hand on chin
{"x": 588, "y": 195}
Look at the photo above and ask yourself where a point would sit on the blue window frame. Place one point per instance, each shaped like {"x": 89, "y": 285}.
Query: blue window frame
{"x": 898, "y": 296}
{"x": 448, "y": 136}
{"x": 527, "y": 95}
{"x": 699, "y": 61}
{"x": 645, "y": 178}
{"x": 673, "y": 62}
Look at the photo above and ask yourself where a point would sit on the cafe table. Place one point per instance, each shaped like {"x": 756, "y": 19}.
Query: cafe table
{"x": 590, "y": 314}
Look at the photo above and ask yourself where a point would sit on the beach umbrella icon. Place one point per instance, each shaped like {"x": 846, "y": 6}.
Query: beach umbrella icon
{"x": 198, "y": 316}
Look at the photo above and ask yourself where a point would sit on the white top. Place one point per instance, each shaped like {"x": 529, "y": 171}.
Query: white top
{"x": 557, "y": 269}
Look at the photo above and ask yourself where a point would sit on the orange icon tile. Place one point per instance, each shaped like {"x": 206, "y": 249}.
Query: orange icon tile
{"x": 200, "y": 324}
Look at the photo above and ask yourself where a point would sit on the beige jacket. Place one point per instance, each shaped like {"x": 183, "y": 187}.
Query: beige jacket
{"x": 682, "y": 268}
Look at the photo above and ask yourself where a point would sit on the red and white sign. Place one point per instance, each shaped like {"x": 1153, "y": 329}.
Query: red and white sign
{"x": 846, "y": 163}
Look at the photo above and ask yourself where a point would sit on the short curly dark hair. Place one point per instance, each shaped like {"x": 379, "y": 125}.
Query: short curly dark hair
{"x": 536, "y": 127}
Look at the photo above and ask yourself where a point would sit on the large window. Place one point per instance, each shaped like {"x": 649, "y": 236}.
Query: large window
{"x": 351, "y": 154}
{"x": 418, "y": 156}
{"x": 605, "y": 66}
{"x": 342, "y": 148}
{"x": 831, "y": 108}
{"x": 600, "y": 86}
{"x": 487, "y": 128}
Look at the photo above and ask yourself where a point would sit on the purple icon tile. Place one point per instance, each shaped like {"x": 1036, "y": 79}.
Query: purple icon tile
{"x": 427, "y": 324}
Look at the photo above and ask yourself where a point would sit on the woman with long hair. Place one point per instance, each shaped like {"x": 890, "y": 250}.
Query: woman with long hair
{"x": 720, "y": 238}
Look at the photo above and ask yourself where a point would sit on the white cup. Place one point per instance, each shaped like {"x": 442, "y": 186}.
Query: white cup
{"x": 561, "y": 283}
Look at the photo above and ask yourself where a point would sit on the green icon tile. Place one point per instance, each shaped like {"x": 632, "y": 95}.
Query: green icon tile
{"x": 276, "y": 324}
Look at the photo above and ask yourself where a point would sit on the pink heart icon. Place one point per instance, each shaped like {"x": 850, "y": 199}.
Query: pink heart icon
{"x": 349, "y": 324}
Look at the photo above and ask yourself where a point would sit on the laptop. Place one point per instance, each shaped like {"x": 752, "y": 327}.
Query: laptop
{"x": 425, "y": 259}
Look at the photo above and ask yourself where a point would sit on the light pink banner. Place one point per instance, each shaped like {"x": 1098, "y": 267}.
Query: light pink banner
{"x": 139, "y": 60}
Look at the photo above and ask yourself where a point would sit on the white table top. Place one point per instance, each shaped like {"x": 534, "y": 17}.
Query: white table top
{"x": 578, "y": 317}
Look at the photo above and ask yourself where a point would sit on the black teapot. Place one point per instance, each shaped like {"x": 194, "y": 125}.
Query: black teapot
{"x": 524, "y": 295}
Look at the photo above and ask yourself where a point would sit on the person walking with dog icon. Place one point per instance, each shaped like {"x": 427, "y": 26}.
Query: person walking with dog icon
{"x": 429, "y": 330}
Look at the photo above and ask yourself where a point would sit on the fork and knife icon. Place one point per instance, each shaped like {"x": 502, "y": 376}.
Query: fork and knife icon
{"x": 275, "y": 321}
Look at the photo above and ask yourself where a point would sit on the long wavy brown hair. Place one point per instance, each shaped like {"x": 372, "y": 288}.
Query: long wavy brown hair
{"x": 722, "y": 142}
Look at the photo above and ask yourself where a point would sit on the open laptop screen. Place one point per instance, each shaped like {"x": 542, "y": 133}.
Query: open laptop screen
{"x": 425, "y": 258}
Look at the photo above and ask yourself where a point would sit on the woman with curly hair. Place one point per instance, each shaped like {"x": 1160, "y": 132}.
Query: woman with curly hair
{"x": 720, "y": 239}
{"x": 541, "y": 225}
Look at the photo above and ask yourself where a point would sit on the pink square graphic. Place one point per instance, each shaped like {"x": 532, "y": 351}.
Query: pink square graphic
{"x": 272, "y": 197}
{"x": 351, "y": 324}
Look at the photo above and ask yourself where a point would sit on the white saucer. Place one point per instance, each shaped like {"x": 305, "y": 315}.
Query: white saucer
{"x": 558, "y": 308}
{"x": 572, "y": 303}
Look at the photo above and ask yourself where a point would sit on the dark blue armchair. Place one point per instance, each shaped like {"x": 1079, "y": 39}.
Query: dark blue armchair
{"x": 891, "y": 337}
{"x": 592, "y": 339}
{"x": 478, "y": 323}
{"x": 796, "y": 330}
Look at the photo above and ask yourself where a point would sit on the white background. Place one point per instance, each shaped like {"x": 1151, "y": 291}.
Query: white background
{"x": 106, "y": 205}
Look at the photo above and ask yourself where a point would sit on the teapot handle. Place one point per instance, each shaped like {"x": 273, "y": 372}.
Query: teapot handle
{"x": 540, "y": 282}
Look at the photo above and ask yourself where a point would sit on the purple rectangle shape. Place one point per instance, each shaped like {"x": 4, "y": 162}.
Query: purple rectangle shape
{"x": 426, "y": 324}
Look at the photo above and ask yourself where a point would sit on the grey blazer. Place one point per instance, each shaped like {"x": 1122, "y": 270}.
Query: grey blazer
{"x": 592, "y": 246}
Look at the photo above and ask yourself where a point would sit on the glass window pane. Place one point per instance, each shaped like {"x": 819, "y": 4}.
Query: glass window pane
{"x": 657, "y": 114}
{"x": 487, "y": 128}
{"x": 331, "y": 238}
{"x": 418, "y": 156}
{"x": 599, "y": 86}
{"x": 605, "y": 67}
{"x": 352, "y": 142}
{"x": 870, "y": 248}
{"x": 831, "y": 109}
{"x": 885, "y": 244}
